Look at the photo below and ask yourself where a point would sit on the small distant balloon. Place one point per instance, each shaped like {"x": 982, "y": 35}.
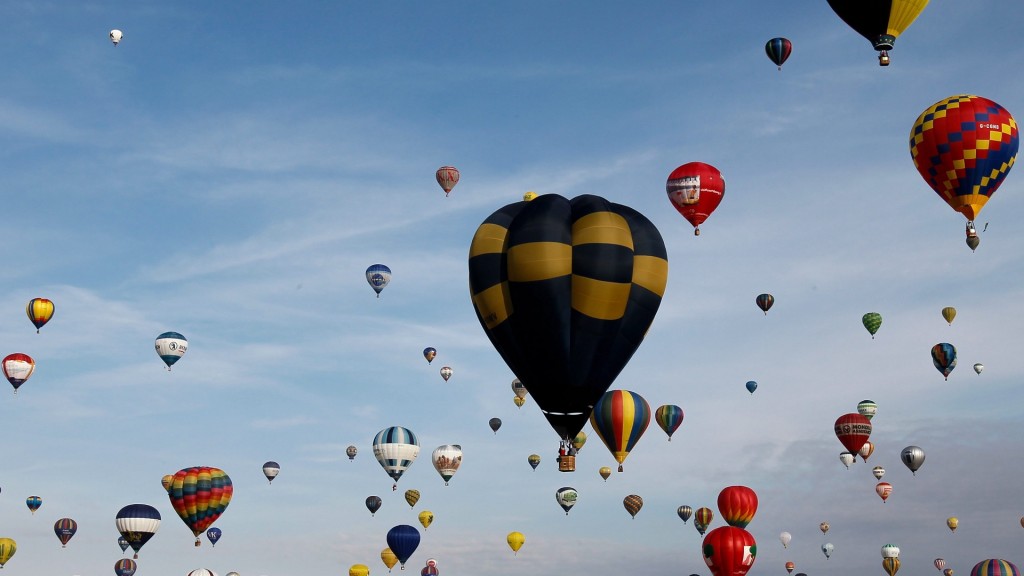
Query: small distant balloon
{"x": 529, "y": 195}
{"x": 125, "y": 567}
{"x": 866, "y": 450}
{"x": 515, "y": 541}
{"x": 39, "y": 311}
{"x": 351, "y": 452}
{"x": 115, "y": 36}
{"x": 684, "y": 513}
{"x": 827, "y": 549}
{"x": 872, "y": 322}
{"x": 18, "y": 368}
{"x": 373, "y": 503}
{"x": 534, "y": 460}
{"x": 867, "y": 409}
{"x": 495, "y": 424}
{"x": 778, "y": 50}
{"x": 633, "y": 504}
{"x": 669, "y": 417}
{"x": 213, "y": 534}
{"x": 944, "y": 358}
{"x": 878, "y": 472}
{"x": 751, "y": 386}
{"x": 883, "y": 489}
{"x": 952, "y": 522}
{"x": 378, "y": 276}
{"x": 412, "y": 497}
{"x": 33, "y": 503}
{"x": 765, "y": 302}
{"x": 65, "y": 529}
{"x": 979, "y": 367}
{"x": 271, "y": 469}
{"x": 447, "y": 177}
{"x": 171, "y": 346}
{"x": 913, "y": 458}
{"x": 846, "y": 458}
{"x": 429, "y": 354}
{"x": 824, "y": 526}
{"x": 426, "y": 518}
{"x": 604, "y": 472}
{"x": 785, "y": 538}
{"x": 446, "y": 373}
{"x": 948, "y": 314}
{"x": 566, "y": 497}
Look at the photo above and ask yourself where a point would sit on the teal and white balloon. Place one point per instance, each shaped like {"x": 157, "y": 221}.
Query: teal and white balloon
{"x": 867, "y": 409}
{"x": 395, "y": 448}
{"x": 171, "y": 346}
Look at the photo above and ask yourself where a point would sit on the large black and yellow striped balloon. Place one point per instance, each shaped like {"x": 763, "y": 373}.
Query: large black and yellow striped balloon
{"x": 566, "y": 290}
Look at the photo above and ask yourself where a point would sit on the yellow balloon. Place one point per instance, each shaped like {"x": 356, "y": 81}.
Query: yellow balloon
{"x": 579, "y": 440}
{"x": 515, "y": 541}
{"x": 426, "y": 518}
{"x": 519, "y": 401}
{"x": 389, "y": 558}
{"x": 949, "y": 313}
{"x": 891, "y": 566}
{"x": 529, "y": 196}
{"x": 952, "y": 522}
{"x": 412, "y": 497}
{"x": 8, "y": 547}
{"x": 166, "y": 482}
{"x": 605, "y": 472}
{"x": 359, "y": 570}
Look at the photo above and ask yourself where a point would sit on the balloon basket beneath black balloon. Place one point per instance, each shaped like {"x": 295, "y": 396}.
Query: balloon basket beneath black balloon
{"x": 566, "y": 463}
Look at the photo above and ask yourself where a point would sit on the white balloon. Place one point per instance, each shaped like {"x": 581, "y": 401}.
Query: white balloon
{"x": 115, "y": 36}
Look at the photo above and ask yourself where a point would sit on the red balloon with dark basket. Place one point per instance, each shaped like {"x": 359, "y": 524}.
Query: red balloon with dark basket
{"x": 738, "y": 504}
{"x": 729, "y": 551}
{"x": 695, "y": 189}
{"x": 853, "y": 430}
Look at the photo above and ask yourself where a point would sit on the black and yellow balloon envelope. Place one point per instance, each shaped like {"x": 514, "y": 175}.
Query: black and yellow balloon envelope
{"x": 566, "y": 290}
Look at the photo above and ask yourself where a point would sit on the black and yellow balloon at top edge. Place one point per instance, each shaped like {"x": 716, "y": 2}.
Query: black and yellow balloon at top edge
{"x": 566, "y": 290}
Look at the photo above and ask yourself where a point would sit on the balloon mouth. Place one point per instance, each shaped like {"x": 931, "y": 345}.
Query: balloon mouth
{"x": 884, "y": 42}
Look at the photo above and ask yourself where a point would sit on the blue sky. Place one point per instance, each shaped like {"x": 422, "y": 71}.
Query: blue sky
{"x": 231, "y": 169}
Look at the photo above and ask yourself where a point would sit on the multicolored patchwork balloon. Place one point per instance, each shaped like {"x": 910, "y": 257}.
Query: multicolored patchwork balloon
{"x": 199, "y": 495}
{"x": 620, "y": 418}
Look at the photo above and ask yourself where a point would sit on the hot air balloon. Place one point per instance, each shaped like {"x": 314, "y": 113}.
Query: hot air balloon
{"x": 373, "y": 503}
{"x": 7, "y": 550}
{"x": 944, "y": 358}
{"x": 620, "y": 418}
{"x": 494, "y": 424}
{"x": 33, "y": 503}
{"x": 778, "y": 50}
{"x": 65, "y": 528}
{"x": 695, "y": 189}
{"x": 519, "y": 389}
{"x": 883, "y": 489}
{"x": 534, "y": 268}
{"x": 199, "y": 495}
{"x": 579, "y": 440}
{"x": 202, "y": 572}
{"x": 729, "y": 551}
{"x": 359, "y": 570}
{"x": 213, "y": 534}
{"x": 518, "y": 401}
{"x": 633, "y": 503}
{"x": 137, "y": 523}
{"x": 426, "y": 518}
{"x": 271, "y": 469}
{"x": 995, "y": 567}
{"x": 529, "y": 195}
{"x": 566, "y": 498}
{"x": 515, "y": 541}
{"x": 702, "y": 519}
{"x": 867, "y": 409}
{"x": 429, "y": 570}
{"x": 395, "y": 448}
{"x": 952, "y": 522}
{"x": 880, "y": 21}
{"x": 534, "y": 460}
{"x": 125, "y": 567}
{"x": 890, "y": 551}
{"x": 669, "y": 417}
{"x": 846, "y": 458}
{"x": 412, "y": 497}
{"x": 447, "y": 459}
{"x": 115, "y": 36}
{"x": 765, "y": 302}
{"x": 979, "y": 367}
{"x": 866, "y": 450}
{"x": 403, "y": 541}
{"x": 948, "y": 314}
{"x": 388, "y": 558}
{"x": 351, "y": 452}
{"x": 878, "y": 471}
{"x": 171, "y": 346}
{"x": 964, "y": 146}
{"x": 751, "y": 386}
{"x": 684, "y": 513}
{"x": 785, "y": 538}
{"x": 429, "y": 354}
{"x": 913, "y": 458}
{"x": 872, "y": 322}
{"x": 447, "y": 178}
{"x": 18, "y": 368}
{"x": 39, "y": 311}
{"x": 122, "y": 543}
{"x": 853, "y": 431}
{"x": 166, "y": 481}
{"x": 790, "y": 567}
{"x": 604, "y": 472}
{"x": 446, "y": 373}
{"x": 378, "y": 275}
{"x": 947, "y": 572}
{"x": 827, "y": 549}
{"x": 939, "y": 564}
{"x": 824, "y": 526}
{"x": 738, "y": 504}
{"x": 891, "y": 566}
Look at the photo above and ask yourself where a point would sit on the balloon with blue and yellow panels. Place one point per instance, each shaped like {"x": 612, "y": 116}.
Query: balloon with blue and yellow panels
{"x": 171, "y": 346}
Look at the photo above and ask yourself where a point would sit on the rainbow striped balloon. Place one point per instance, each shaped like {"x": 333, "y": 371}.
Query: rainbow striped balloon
{"x": 200, "y": 495}
{"x": 620, "y": 418}
{"x": 995, "y": 567}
